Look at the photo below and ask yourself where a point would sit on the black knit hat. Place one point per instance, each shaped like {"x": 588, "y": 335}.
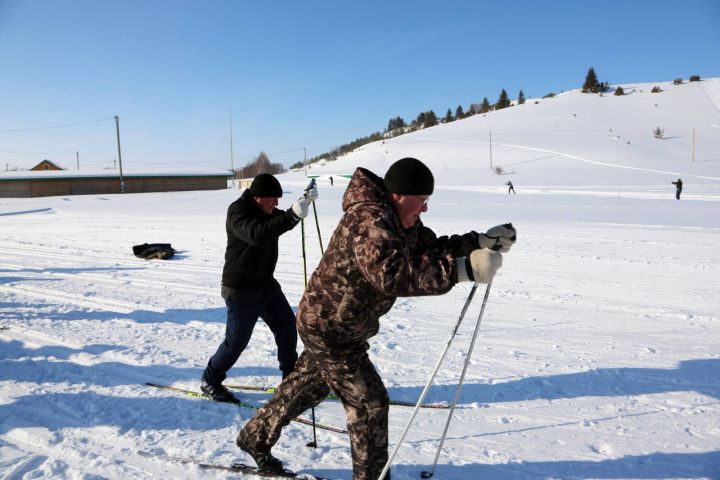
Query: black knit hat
{"x": 265, "y": 185}
{"x": 409, "y": 176}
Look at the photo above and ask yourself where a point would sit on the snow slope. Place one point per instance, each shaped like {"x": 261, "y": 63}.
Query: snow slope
{"x": 598, "y": 354}
{"x": 572, "y": 139}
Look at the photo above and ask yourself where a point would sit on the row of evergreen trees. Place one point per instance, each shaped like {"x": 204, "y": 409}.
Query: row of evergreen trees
{"x": 430, "y": 119}
{"x": 592, "y": 85}
{"x": 398, "y": 126}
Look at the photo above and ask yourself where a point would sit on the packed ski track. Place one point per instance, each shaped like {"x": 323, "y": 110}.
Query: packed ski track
{"x": 597, "y": 357}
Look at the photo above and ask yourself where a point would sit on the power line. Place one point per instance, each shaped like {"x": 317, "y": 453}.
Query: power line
{"x": 56, "y": 126}
{"x": 287, "y": 151}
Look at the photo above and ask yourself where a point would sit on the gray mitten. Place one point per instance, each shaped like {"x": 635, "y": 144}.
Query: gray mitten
{"x": 480, "y": 266}
{"x": 499, "y": 238}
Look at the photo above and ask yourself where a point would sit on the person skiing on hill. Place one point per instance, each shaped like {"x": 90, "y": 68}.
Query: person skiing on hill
{"x": 678, "y": 188}
{"x": 379, "y": 251}
{"x": 250, "y": 291}
{"x": 510, "y": 187}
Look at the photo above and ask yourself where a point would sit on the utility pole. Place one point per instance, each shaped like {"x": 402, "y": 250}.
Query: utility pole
{"x": 491, "y": 151}
{"x": 77, "y": 159}
{"x": 117, "y": 131}
{"x": 692, "y": 159}
{"x": 232, "y": 163}
{"x": 305, "y": 160}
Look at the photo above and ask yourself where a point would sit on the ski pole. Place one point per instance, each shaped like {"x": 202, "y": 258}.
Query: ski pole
{"x": 312, "y": 444}
{"x": 428, "y": 474}
{"x": 302, "y": 236}
{"x": 429, "y": 382}
{"x": 317, "y": 223}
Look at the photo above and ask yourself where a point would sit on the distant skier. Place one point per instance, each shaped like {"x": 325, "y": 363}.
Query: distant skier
{"x": 510, "y": 187}
{"x": 678, "y": 188}
{"x": 331, "y": 181}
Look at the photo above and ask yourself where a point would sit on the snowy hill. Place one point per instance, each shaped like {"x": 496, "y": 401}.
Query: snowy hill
{"x": 572, "y": 139}
{"x": 598, "y": 354}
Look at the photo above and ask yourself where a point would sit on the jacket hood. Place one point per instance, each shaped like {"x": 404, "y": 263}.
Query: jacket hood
{"x": 365, "y": 187}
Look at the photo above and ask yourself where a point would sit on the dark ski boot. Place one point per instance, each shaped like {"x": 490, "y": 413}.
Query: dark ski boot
{"x": 217, "y": 392}
{"x": 264, "y": 460}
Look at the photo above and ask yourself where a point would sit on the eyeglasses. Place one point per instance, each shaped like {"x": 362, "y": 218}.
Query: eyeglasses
{"x": 423, "y": 201}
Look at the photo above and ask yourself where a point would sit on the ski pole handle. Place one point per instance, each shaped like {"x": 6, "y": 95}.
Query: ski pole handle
{"x": 310, "y": 185}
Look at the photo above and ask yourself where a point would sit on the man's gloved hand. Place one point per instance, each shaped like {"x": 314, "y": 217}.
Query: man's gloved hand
{"x": 499, "y": 238}
{"x": 300, "y": 207}
{"x": 312, "y": 193}
{"x": 480, "y": 266}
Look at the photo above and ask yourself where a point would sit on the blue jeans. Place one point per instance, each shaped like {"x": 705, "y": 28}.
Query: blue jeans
{"x": 244, "y": 307}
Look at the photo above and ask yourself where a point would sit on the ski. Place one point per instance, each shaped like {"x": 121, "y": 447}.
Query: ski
{"x": 253, "y": 388}
{"x": 235, "y": 467}
{"x": 192, "y": 393}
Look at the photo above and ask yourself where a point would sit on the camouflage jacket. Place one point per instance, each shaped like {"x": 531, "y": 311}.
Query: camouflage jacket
{"x": 370, "y": 261}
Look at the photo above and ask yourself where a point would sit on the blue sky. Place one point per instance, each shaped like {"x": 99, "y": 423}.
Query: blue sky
{"x": 305, "y": 74}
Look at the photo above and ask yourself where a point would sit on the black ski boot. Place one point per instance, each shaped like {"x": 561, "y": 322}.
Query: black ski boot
{"x": 264, "y": 460}
{"x": 217, "y": 392}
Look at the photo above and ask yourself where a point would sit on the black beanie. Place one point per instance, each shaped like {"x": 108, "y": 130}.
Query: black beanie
{"x": 265, "y": 185}
{"x": 409, "y": 176}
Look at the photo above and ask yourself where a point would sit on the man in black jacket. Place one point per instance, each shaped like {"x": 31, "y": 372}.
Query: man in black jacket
{"x": 253, "y": 226}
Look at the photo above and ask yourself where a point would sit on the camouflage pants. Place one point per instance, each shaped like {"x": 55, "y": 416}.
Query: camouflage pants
{"x": 351, "y": 375}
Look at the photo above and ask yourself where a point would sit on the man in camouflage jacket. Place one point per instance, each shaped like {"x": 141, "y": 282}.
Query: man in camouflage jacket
{"x": 378, "y": 252}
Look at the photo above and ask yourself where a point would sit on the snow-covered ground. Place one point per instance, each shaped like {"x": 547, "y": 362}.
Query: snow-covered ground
{"x": 598, "y": 355}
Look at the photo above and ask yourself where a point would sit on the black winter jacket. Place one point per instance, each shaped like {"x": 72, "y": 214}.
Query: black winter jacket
{"x": 252, "y": 243}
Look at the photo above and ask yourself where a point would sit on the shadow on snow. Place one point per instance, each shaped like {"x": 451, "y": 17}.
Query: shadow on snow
{"x": 701, "y": 375}
{"x": 49, "y": 364}
{"x": 650, "y": 466}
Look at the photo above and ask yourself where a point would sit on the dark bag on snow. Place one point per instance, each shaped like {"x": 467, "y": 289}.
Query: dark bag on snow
{"x": 148, "y": 251}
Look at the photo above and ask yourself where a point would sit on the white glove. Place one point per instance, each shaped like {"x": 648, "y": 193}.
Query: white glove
{"x": 480, "y": 266}
{"x": 500, "y": 238}
{"x": 300, "y": 208}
